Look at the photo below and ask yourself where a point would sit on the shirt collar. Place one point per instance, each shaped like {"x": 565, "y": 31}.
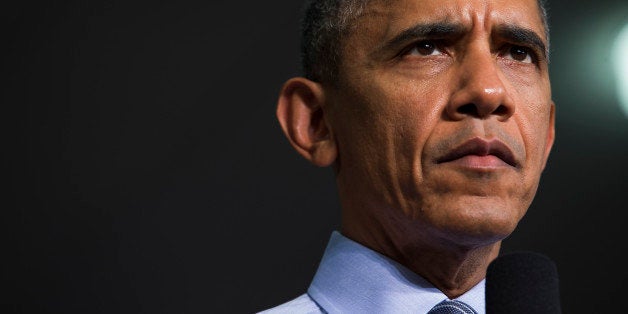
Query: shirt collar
{"x": 352, "y": 278}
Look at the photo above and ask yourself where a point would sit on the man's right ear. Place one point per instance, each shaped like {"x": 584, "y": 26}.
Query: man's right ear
{"x": 300, "y": 111}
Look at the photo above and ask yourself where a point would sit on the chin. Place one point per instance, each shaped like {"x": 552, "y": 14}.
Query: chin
{"x": 475, "y": 220}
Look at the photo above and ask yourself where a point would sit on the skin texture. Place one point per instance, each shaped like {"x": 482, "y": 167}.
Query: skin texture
{"x": 402, "y": 104}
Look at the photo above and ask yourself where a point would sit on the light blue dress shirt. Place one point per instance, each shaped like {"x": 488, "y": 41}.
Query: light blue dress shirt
{"x": 352, "y": 278}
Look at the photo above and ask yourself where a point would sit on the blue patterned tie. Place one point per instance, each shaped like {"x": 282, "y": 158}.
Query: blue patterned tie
{"x": 452, "y": 307}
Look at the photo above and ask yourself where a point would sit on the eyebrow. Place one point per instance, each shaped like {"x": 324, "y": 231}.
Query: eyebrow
{"x": 522, "y": 36}
{"x": 424, "y": 31}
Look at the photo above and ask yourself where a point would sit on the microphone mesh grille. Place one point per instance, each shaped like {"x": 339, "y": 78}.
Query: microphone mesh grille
{"x": 522, "y": 282}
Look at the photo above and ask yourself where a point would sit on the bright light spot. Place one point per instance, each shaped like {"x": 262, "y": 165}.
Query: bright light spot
{"x": 620, "y": 60}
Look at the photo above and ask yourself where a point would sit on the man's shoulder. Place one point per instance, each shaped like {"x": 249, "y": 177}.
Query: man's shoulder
{"x": 303, "y": 304}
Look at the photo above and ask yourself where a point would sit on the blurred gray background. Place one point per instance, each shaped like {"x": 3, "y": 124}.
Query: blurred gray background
{"x": 147, "y": 172}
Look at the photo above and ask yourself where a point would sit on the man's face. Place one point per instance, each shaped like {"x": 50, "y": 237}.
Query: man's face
{"x": 443, "y": 116}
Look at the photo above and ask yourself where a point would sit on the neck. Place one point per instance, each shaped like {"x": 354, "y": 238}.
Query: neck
{"x": 453, "y": 272}
{"x": 451, "y": 267}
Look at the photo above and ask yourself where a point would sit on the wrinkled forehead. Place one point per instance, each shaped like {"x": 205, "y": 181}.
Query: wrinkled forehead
{"x": 387, "y": 17}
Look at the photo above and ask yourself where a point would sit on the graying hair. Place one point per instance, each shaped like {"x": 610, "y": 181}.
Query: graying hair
{"x": 324, "y": 26}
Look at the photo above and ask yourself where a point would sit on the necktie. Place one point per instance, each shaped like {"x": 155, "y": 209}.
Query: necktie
{"x": 452, "y": 307}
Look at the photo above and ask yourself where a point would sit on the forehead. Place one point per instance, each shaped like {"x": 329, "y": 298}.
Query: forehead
{"x": 388, "y": 17}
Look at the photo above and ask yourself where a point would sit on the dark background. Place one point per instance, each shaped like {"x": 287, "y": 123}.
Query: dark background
{"x": 147, "y": 173}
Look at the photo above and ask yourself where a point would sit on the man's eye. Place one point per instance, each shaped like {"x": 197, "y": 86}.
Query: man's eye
{"x": 425, "y": 48}
{"x": 518, "y": 53}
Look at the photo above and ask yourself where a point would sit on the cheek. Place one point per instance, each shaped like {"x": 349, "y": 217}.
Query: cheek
{"x": 414, "y": 113}
{"x": 382, "y": 135}
{"x": 417, "y": 113}
{"x": 396, "y": 114}
{"x": 533, "y": 121}
{"x": 531, "y": 93}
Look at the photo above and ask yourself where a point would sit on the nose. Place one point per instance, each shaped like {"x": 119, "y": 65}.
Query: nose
{"x": 480, "y": 90}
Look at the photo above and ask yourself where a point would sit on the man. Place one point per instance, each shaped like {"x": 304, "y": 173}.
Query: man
{"x": 438, "y": 120}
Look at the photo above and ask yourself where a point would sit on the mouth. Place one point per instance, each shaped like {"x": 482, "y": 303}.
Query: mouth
{"x": 480, "y": 153}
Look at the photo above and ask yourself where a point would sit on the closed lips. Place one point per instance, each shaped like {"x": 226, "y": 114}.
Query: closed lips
{"x": 480, "y": 147}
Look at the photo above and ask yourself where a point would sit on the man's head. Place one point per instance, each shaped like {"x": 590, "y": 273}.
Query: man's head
{"x": 436, "y": 113}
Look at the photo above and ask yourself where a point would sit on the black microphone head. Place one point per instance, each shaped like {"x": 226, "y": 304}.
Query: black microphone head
{"x": 522, "y": 282}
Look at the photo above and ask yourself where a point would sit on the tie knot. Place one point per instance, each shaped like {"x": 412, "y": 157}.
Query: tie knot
{"x": 452, "y": 307}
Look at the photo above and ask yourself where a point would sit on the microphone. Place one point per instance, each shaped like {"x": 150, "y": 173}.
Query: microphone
{"x": 522, "y": 282}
